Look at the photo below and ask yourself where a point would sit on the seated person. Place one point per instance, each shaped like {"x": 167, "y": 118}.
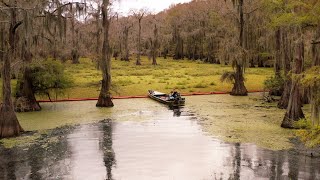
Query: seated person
{"x": 171, "y": 96}
{"x": 175, "y": 94}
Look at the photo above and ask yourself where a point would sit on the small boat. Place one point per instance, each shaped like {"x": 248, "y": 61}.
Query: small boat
{"x": 166, "y": 99}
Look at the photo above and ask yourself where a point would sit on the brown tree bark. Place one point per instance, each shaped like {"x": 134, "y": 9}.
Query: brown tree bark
{"x": 138, "y": 62}
{"x": 294, "y": 110}
{"x": 98, "y": 28}
{"x": 239, "y": 88}
{"x": 75, "y": 45}
{"x": 277, "y": 63}
{"x": 125, "y": 53}
{"x": 9, "y": 124}
{"x": 25, "y": 99}
{"x": 155, "y": 45}
{"x": 178, "y": 43}
{"x": 284, "y": 100}
{"x": 105, "y": 95}
{"x": 315, "y": 105}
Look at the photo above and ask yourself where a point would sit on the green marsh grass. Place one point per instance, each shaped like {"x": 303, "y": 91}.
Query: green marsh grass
{"x": 185, "y": 75}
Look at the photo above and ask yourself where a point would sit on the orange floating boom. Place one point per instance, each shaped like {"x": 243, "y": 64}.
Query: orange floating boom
{"x": 137, "y": 97}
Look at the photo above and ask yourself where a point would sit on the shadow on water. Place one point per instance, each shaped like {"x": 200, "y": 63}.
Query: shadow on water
{"x": 171, "y": 144}
{"x": 43, "y": 160}
{"x": 176, "y": 110}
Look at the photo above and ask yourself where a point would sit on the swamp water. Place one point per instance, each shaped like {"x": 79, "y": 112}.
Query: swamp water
{"x": 145, "y": 140}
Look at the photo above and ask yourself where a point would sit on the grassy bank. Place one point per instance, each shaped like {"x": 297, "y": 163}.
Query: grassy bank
{"x": 129, "y": 79}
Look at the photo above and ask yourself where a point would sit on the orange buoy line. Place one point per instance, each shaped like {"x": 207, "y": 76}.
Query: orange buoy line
{"x": 137, "y": 97}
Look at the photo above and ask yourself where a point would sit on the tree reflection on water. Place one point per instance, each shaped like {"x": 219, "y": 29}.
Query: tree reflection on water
{"x": 89, "y": 152}
{"x": 108, "y": 153}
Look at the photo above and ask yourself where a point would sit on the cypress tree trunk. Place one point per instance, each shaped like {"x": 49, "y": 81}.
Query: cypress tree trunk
{"x": 75, "y": 56}
{"x": 154, "y": 59}
{"x": 105, "y": 96}
{"x": 9, "y": 124}
{"x": 315, "y": 48}
{"x": 260, "y": 61}
{"x": 315, "y": 104}
{"x": 239, "y": 88}
{"x": 155, "y": 45}
{"x": 125, "y": 55}
{"x": 284, "y": 100}
{"x": 277, "y": 64}
{"x": 98, "y": 38}
{"x": 178, "y": 41}
{"x": 74, "y": 52}
{"x": 139, "y": 44}
{"x": 294, "y": 111}
{"x": 26, "y": 100}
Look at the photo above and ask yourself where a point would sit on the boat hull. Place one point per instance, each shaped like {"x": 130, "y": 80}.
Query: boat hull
{"x": 164, "y": 99}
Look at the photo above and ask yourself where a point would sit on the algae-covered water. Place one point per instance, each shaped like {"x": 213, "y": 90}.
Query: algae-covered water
{"x": 242, "y": 119}
{"x": 233, "y": 119}
{"x": 213, "y": 137}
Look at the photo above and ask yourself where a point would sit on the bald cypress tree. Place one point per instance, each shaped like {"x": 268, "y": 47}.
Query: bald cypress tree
{"x": 52, "y": 20}
{"x": 294, "y": 111}
{"x": 238, "y": 63}
{"x": 9, "y": 124}
{"x": 105, "y": 95}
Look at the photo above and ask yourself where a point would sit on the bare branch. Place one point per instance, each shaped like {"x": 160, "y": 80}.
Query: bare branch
{"x": 315, "y": 42}
{"x": 64, "y": 5}
{"x": 4, "y": 3}
{"x": 49, "y": 40}
{"x": 253, "y": 10}
{"x": 16, "y": 7}
{"x": 17, "y": 25}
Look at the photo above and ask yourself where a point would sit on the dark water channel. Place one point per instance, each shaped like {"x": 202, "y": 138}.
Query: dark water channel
{"x": 169, "y": 145}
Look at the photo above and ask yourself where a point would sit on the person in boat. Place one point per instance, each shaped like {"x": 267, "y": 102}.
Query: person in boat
{"x": 170, "y": 97}
{"x": 173, "y": 95}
